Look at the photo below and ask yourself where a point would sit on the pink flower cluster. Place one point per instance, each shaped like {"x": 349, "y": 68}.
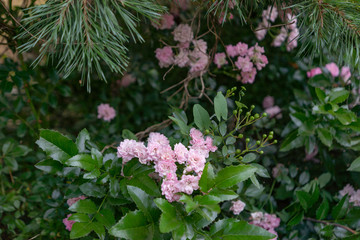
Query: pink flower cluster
{"x": 289, "y": 32}
{"x": 334, "y": 70}
{"x": 194, "y": 57}
{"x": 237, "y": 207}
{"x": 165, "y": 22}
{"x": 354, "y": 195}
{"x": 106, "y": 112}
{"x": 69, "y": 223}
{"x": 126, "y": 80}
{"x": 249, "y": 60}
{"x": 165, "y": 159}
{"x": 270, "y": 109}
{"x": 267, "y": 221}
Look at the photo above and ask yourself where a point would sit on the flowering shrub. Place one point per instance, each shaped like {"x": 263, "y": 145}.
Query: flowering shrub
{"x": 194, "y": 177}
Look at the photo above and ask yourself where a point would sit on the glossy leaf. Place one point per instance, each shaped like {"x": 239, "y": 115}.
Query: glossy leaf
{"x": 220, "y": 105}
{"x": 232, "y": 175}
{"x": 201, "y": 117}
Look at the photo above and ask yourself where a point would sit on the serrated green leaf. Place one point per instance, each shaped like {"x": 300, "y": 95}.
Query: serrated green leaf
{"x": 83, "y": 161}
{"x": 84, "y": 206}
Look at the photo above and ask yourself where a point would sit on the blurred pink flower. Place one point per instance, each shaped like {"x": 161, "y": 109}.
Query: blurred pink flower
{"x": 165, "y": 22}
{"x": 72, "y": 201}
{"x": 126, "y": 80}
{"x": 220, "y": 59}
{"x": 333, "y": 69}
{"x": 313, "y": 72}
{"x": 68, "y": 223}
{"x": 165, "y": 56}
{"x": 237, "y": 207}
{"x": 183, "y": 33}
{"x": 106, "y": 112}
{"x": 345, "y": 74}
{"x": 268, "y": 102}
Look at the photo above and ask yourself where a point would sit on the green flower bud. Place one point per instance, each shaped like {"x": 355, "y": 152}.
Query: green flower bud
{"x": 242, "y": 94}
{"x": 261, "y": 152}
{"x": 275, "y": 141}
{"x": 235, "y": 112}
{"x": 247, "y": 140}
{"x": 243, "y": 88}
{"x": 252, "y": 118}
{"x": 247, "y": 113}
{"x": 240, "y": 158}
{"x": 252, "y": 106}
{"x": 241, "y": 136}
{"x": 238, "y": 151}
{"x": 207, "y": 131}
{"x": 234, "y": 88}
{"x": 264, "y": 135}
{"x": 271, "y": 133}
{"x": 240, "y": 111}
{"x": 270, "y": 137}
{"x": 264, "y": 114}
{"x": 256, "y": 116}
{"x": 258, "y": 142}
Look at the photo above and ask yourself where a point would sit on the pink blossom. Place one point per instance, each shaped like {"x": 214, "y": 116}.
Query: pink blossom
{"x": 333, "y": 69}
{"x": 72, "y": 201}
{"x": 274, "y": 111}
{"x": 345, "y": 74}
{"x": 183, "y": 45}
{"x": 68, "y": 223}
{"x": 220, "y": 59}
{"x": 231, "y": 50}
{"x": 106, "y": 112}
{"x": 200, "y": 46}
{"x": 267, "y": 221}
{"x": 198, "y": 62}
{"x": 355, "y": 198}
{"x": 189, "y": 183}
{"x": 313, "y": 72}
{"x": 183, "y": 33}
{"x": 242, "y": 49}
{"x": 197, "y": 138}
{"x": 165, "y": 56}
{"x": 261, "y": 31}
{"x": 163, "y": 168}
{"x": 268, "y": 102}
{"x": 209, "y": 146}
{"x": 292, "y": 40}
{"x": 182, "y": 59}
{"x": 248, "y": 77}
{"x": 237, "y": 207}
{"x": 139, "y": 151}
{"x": 127, "y": 79}
{"x": 259, "y": 60}
{"x": 181, "y": 153}
{"x": 255, "y": 49}
{"x": 292, "y": 20}
{"x": 170, "y": 188}
{"x": 270, "y": 13}
{"x": 125, "y": 150}
{"x": 196, "y": 161}
{"x": 348, "y": 189}
{"x": 244, "y": 64}
{"x": 279, "y": 39}
{"x": 165, "y": 22}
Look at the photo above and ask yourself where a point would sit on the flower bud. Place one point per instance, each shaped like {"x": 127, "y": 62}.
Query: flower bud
{"x": 247, "y": 140}
{"x": 264, "y": 135}
{"x": 275, "y": 141}
{"x": 235, "y": 112}
{"x": 256, "y": 116}
{"x": 271, "y": 133}
{"x": 241, "y": 136}
{"x": 261, "y": 152}
{"x": 238, "y": 151}
{"x": 252, "y": 106}
{"x": 207, "y": 131}
{"x": 264, "y": 114}
{"x": 258, "y": 142}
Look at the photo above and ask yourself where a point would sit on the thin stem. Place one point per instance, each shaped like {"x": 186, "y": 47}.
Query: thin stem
{"x": 330, "y": 223}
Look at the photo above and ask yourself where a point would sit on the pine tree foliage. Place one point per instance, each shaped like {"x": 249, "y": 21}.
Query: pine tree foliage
{"x": 79, "y": 35}
{"x": 82, "y": 34}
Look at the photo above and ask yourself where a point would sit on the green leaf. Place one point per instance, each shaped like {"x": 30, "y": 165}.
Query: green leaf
{"x": 207, "y": 178}
{"x": 323, "y": 210}
{"x": 169, "y": 220}
{"x": 220, "y": 105}
{"x": 144, "y": 202}
{"x": 127, "y": 134}
{"x": 56, "y": 145}
{"x": 324, "y": 179}
{"x": 92, "y": 175}
{"x": 338, "y": 95}
{"x": 291, "y": 141}
{"x": 296, "y": 219}
{"x": 232, "y": 175}
{"x": 84, "y": 161}
{"x": 49, "y": 166}
{"x": 92, "y": 190}
{"x": 341, "y": 208}
{"x": 249, "y": 157}
{"x": 201, "y": 117}
{"x": 80, "y": 229}
{"x": 223, "y": 128}
{"x": 304, "y": 199}
{"x": 183, "y": 127}
{"x": 325, "y": 136}
{"x": 133, "y": 226}
{"x": 145, "y": 183}
{"x": 105, "y": 217}
{"x": 79, "y": 217}
{"x": 81, "y": 140}
{"x": 114, "y": 187}
{"x": 99, "y": 229}
{"x": 84, "y": 206}
{"x": 320, "y": 94}
{"x": 216, "y": 196}
{"x": 345, "y": 116}
{"x": 355, "y": 165}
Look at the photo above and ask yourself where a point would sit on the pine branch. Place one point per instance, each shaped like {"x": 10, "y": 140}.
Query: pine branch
{"x": 80, "y": 35}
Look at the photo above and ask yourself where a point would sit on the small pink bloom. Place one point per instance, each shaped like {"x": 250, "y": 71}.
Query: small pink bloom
{"x": 244, "y": 64}
{"x": 348, "y": 189}
{"x": 126, "y": 80}
{"x": 68, "y": 223}
{"x": 106, "y": 112}
{"x": 292, "y": 40}
{"x": 72, "y": 201}
{"x": 181, "y": 153}
{"x": 268, "y": 102}
{"x": 237, "y": 207}
{"x": 274, "y": 111}
{"x": 248, "y": 77}
{"x": 165, "y": 22}
{"x": 165, "y": 56}
{"x": 231, "y": 50}
{"x": 220, "y": 59}
{"x": 183, "y": 33}
{"x": 279, "y": 39}
{"x": 242, "y": 49}
{"x": 333, "y": 69}
{"x": 345, "y": 74}
{"x": 313, "y": 72}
